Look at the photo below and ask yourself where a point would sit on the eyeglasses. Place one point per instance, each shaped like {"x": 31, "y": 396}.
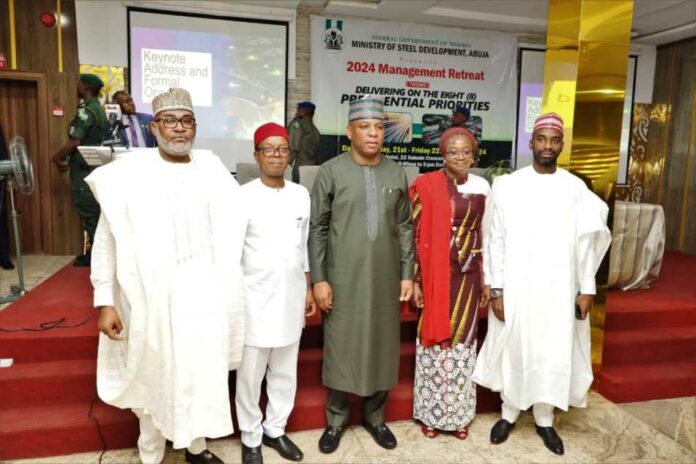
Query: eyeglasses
{"x": 170, "y": 122}
{"x": 270, "y": 151}
{"x": 459, "y": 154}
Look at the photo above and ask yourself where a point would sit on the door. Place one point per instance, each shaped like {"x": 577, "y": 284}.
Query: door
{"x": 19, "y": 115}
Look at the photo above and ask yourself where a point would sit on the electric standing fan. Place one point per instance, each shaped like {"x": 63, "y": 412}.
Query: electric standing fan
{"x": 20, "y": 175}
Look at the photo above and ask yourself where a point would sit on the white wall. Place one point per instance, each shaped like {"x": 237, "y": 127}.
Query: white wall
{"x": 102, "y": 34}
{"x": 645, "y": 72}
{"x": 102, "y": 38}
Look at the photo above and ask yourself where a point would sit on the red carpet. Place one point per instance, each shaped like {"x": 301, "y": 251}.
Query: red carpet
{"x": 650, "y": 339}
{"x": 45, "y": 397}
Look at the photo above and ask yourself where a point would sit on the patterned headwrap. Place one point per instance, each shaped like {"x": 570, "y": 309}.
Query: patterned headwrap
{"x": 549, "y": 121}
{"x": 454, "y": 131}
{"x": 172, "y": 99}
{"x": 367, "y": 107}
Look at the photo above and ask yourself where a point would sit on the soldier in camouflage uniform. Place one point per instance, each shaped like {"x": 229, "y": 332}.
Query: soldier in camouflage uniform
{"x": 88, "y": 127}
{"x": 305, "y": 139}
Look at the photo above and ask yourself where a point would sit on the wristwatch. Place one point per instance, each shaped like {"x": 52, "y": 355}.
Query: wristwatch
{"x": 496, "y": 293}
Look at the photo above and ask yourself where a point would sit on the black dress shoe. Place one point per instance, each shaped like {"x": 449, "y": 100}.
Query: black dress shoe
{"x": 284, "y": 446}
{"x": 83, "y": 260}
{"x": 551, "y": 439}
{"x": 330, "y": 439}
{"x": 6, "y": 265}
{"x": 382, "y": 435}
{"x": 251, "y": 455}
{"x": 204, "y": 457}
{"x": 501, "y": 431}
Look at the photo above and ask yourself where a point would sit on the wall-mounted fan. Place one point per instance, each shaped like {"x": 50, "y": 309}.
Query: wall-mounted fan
{"x": 20, "y": 175}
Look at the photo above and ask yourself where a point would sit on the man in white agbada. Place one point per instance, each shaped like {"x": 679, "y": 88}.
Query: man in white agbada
{"x": 166, "y": 271}
{"x": 277, "y": 297}
{"x": 547, "y": 237}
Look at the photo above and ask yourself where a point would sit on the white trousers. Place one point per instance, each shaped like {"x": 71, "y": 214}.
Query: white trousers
{"x": 279, "y": 365}
{"x": 543, "y": 414}
{"x": 151, "y": 443}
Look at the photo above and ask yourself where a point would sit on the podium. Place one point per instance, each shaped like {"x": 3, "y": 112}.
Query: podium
{"x": 99, "y": 156}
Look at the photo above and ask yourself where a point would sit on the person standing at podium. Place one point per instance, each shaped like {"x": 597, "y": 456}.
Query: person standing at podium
{"x": 168, "y": 286}
{"x": 136, "y": 132}
{"x": 87, "y": 128}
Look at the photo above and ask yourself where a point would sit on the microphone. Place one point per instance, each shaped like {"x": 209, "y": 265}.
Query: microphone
{"x": 113, "y": 116}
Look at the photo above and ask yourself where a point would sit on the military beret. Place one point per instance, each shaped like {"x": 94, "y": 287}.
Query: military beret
{"x": 92, "y": 79}
{"x": 462, "y": 110}
{"x": 306, "y": 104}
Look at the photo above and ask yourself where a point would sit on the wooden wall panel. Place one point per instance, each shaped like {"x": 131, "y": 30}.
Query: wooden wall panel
{"x": 68, "y": 238}
{"x": 36, "y": 44}
{"x": 71, "y": 62}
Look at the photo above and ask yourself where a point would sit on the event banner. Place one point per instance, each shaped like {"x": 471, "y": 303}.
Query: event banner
{"x": 422, "y": 73}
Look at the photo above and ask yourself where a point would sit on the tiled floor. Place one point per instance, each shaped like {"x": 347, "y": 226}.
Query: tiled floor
{"x": 649, "y": 432}
{"x": 602, "y": 433}
{"x": 37, "y": 268}
{"x": 674, "y": 417}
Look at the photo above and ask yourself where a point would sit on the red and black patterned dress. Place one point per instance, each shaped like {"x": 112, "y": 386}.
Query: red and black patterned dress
{"x": 444, "y": 395}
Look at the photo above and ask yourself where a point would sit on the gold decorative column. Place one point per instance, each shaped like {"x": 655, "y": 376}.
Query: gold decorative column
{"x": 587, "y": 45}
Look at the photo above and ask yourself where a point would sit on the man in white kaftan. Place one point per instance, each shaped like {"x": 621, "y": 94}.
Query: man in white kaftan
{"x": 277, "y": 297}
{"x": 547, "y": 237}
{"x": 166, "y": 271}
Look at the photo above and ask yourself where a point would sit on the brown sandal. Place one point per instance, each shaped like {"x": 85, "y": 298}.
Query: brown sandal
{"x": 461, "y": 434}
{"x": 429, "y": 431}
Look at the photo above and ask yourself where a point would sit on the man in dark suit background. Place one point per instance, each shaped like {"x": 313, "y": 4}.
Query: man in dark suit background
{"x": 5, "y": 262}
{"x": 138, "y": 133}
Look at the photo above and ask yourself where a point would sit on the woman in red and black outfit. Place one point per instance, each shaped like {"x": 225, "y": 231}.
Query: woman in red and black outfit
{"x": 448, "y": 209}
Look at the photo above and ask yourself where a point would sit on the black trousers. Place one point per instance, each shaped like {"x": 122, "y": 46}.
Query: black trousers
{"x": 338, "y": 408}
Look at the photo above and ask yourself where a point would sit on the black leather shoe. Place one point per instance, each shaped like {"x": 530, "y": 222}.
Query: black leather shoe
{"x": 251, "y": 455}
{"x": 551, "y": 439}
{"x": 501, "y": 431}
{"x": 382, "y": 435}
{"x": 204, "y": 457}
{"x": 83, "y": 260}
{"x": 284, "y": 446}
{"x": 7, "y": 265}
{"x": 330, "y": 439}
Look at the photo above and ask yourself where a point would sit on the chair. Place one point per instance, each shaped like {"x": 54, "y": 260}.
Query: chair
{"x": 307, "y": 176}
{"x": 246, "y": 172}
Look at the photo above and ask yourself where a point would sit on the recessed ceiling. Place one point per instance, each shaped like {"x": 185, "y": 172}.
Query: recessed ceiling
{"x": 654, "y": 21}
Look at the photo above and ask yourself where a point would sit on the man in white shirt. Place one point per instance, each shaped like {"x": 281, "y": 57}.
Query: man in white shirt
{"x": 166, "y": 271}
{"x": 136, "y": 132}
{"x": 276, "y": 275}
{"x": 547, "y": 237}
